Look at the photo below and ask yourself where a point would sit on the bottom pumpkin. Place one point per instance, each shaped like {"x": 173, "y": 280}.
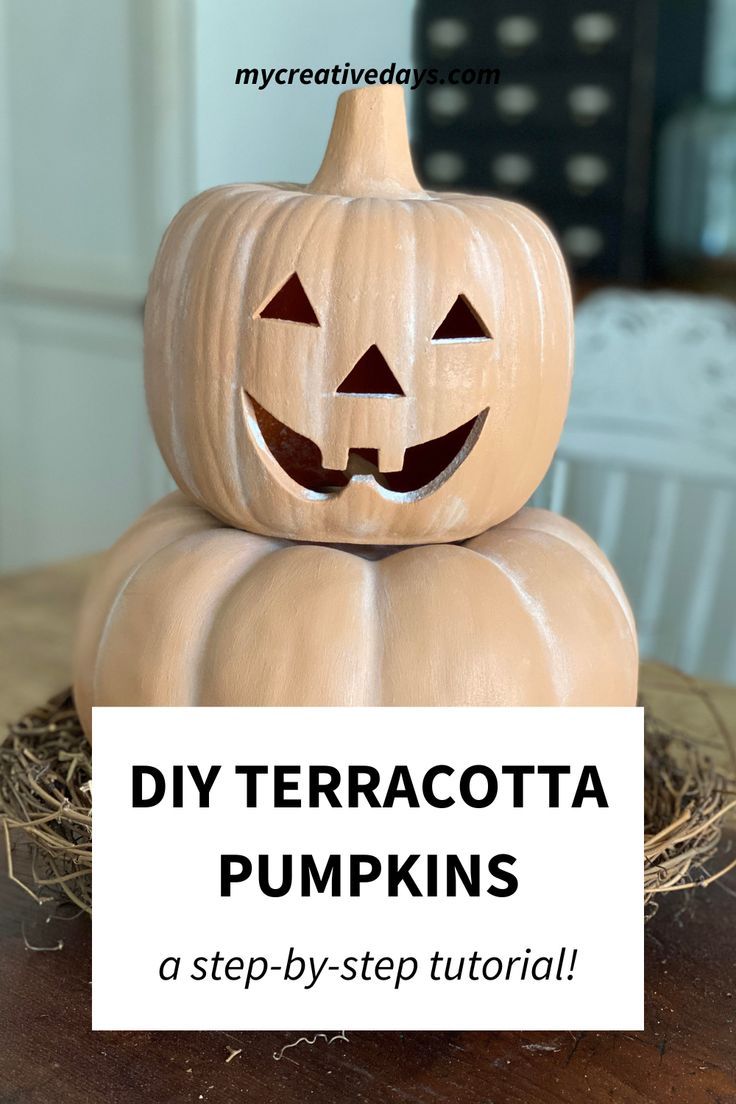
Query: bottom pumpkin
{"x": 186, "y": 611}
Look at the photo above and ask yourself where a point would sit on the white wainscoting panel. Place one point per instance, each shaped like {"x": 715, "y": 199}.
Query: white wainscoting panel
{"x": 96, "y": 155}
{"x": 78, "y": 461}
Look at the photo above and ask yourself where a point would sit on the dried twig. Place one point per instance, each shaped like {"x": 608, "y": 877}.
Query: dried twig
{"x": 310, "y": 1040}
{"x": 685, "y": 801}
{"x": 45, "y": 768}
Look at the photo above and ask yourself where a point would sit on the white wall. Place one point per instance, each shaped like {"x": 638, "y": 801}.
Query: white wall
{"x": 280, "y": 133}
{"x": 91, "y": 168}
{"x": 112, "y": 114}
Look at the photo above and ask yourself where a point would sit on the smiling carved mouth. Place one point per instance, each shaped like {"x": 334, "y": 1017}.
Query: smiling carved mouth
{"x": 425, "y": 466}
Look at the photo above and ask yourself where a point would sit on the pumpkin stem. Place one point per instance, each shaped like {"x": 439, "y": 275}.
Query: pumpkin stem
{"x": 368, "y": 149}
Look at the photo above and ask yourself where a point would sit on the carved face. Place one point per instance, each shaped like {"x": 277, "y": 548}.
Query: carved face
{"x": 362, "y": 407}
{"x": 389, "y": 368}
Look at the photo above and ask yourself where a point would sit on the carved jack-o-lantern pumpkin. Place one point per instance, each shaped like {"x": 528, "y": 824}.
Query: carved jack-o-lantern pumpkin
{"x": 358, "y": 360}
{"x": 186, "y": 611}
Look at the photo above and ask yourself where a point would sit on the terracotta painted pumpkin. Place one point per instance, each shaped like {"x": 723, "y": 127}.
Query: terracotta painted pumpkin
{"x": 186, "y": 611}
{"x": 358, "y": 360}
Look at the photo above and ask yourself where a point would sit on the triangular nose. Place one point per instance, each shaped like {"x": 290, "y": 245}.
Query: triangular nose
{"x": 371, "y": 375}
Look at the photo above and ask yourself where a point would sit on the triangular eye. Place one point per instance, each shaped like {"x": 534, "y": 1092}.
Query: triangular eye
{"x": 290, "y": 304}
{"x": 461, "y": 324}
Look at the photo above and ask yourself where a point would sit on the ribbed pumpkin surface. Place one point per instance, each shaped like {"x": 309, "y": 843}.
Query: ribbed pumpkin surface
{"x": 186, "y": 611}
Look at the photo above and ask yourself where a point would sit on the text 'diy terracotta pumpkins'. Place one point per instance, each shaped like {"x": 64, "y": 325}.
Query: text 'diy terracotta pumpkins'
{"x": 335, "y": 372}
{"x": 358, "y": 360}
{"x": 187, "y": 611}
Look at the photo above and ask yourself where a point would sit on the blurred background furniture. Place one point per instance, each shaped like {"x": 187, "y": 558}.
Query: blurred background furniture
{"x": 584, "y": 87}
{"x": 647, "y": 465}
{"x": 696, "y": 198}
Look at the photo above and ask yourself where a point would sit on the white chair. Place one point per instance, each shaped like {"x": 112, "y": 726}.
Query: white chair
{"x": 647, "y": 465}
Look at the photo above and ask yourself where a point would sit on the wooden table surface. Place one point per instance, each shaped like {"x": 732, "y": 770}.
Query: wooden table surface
{"x": 48, "y": 1055}
{"x": 37, "y": 617}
